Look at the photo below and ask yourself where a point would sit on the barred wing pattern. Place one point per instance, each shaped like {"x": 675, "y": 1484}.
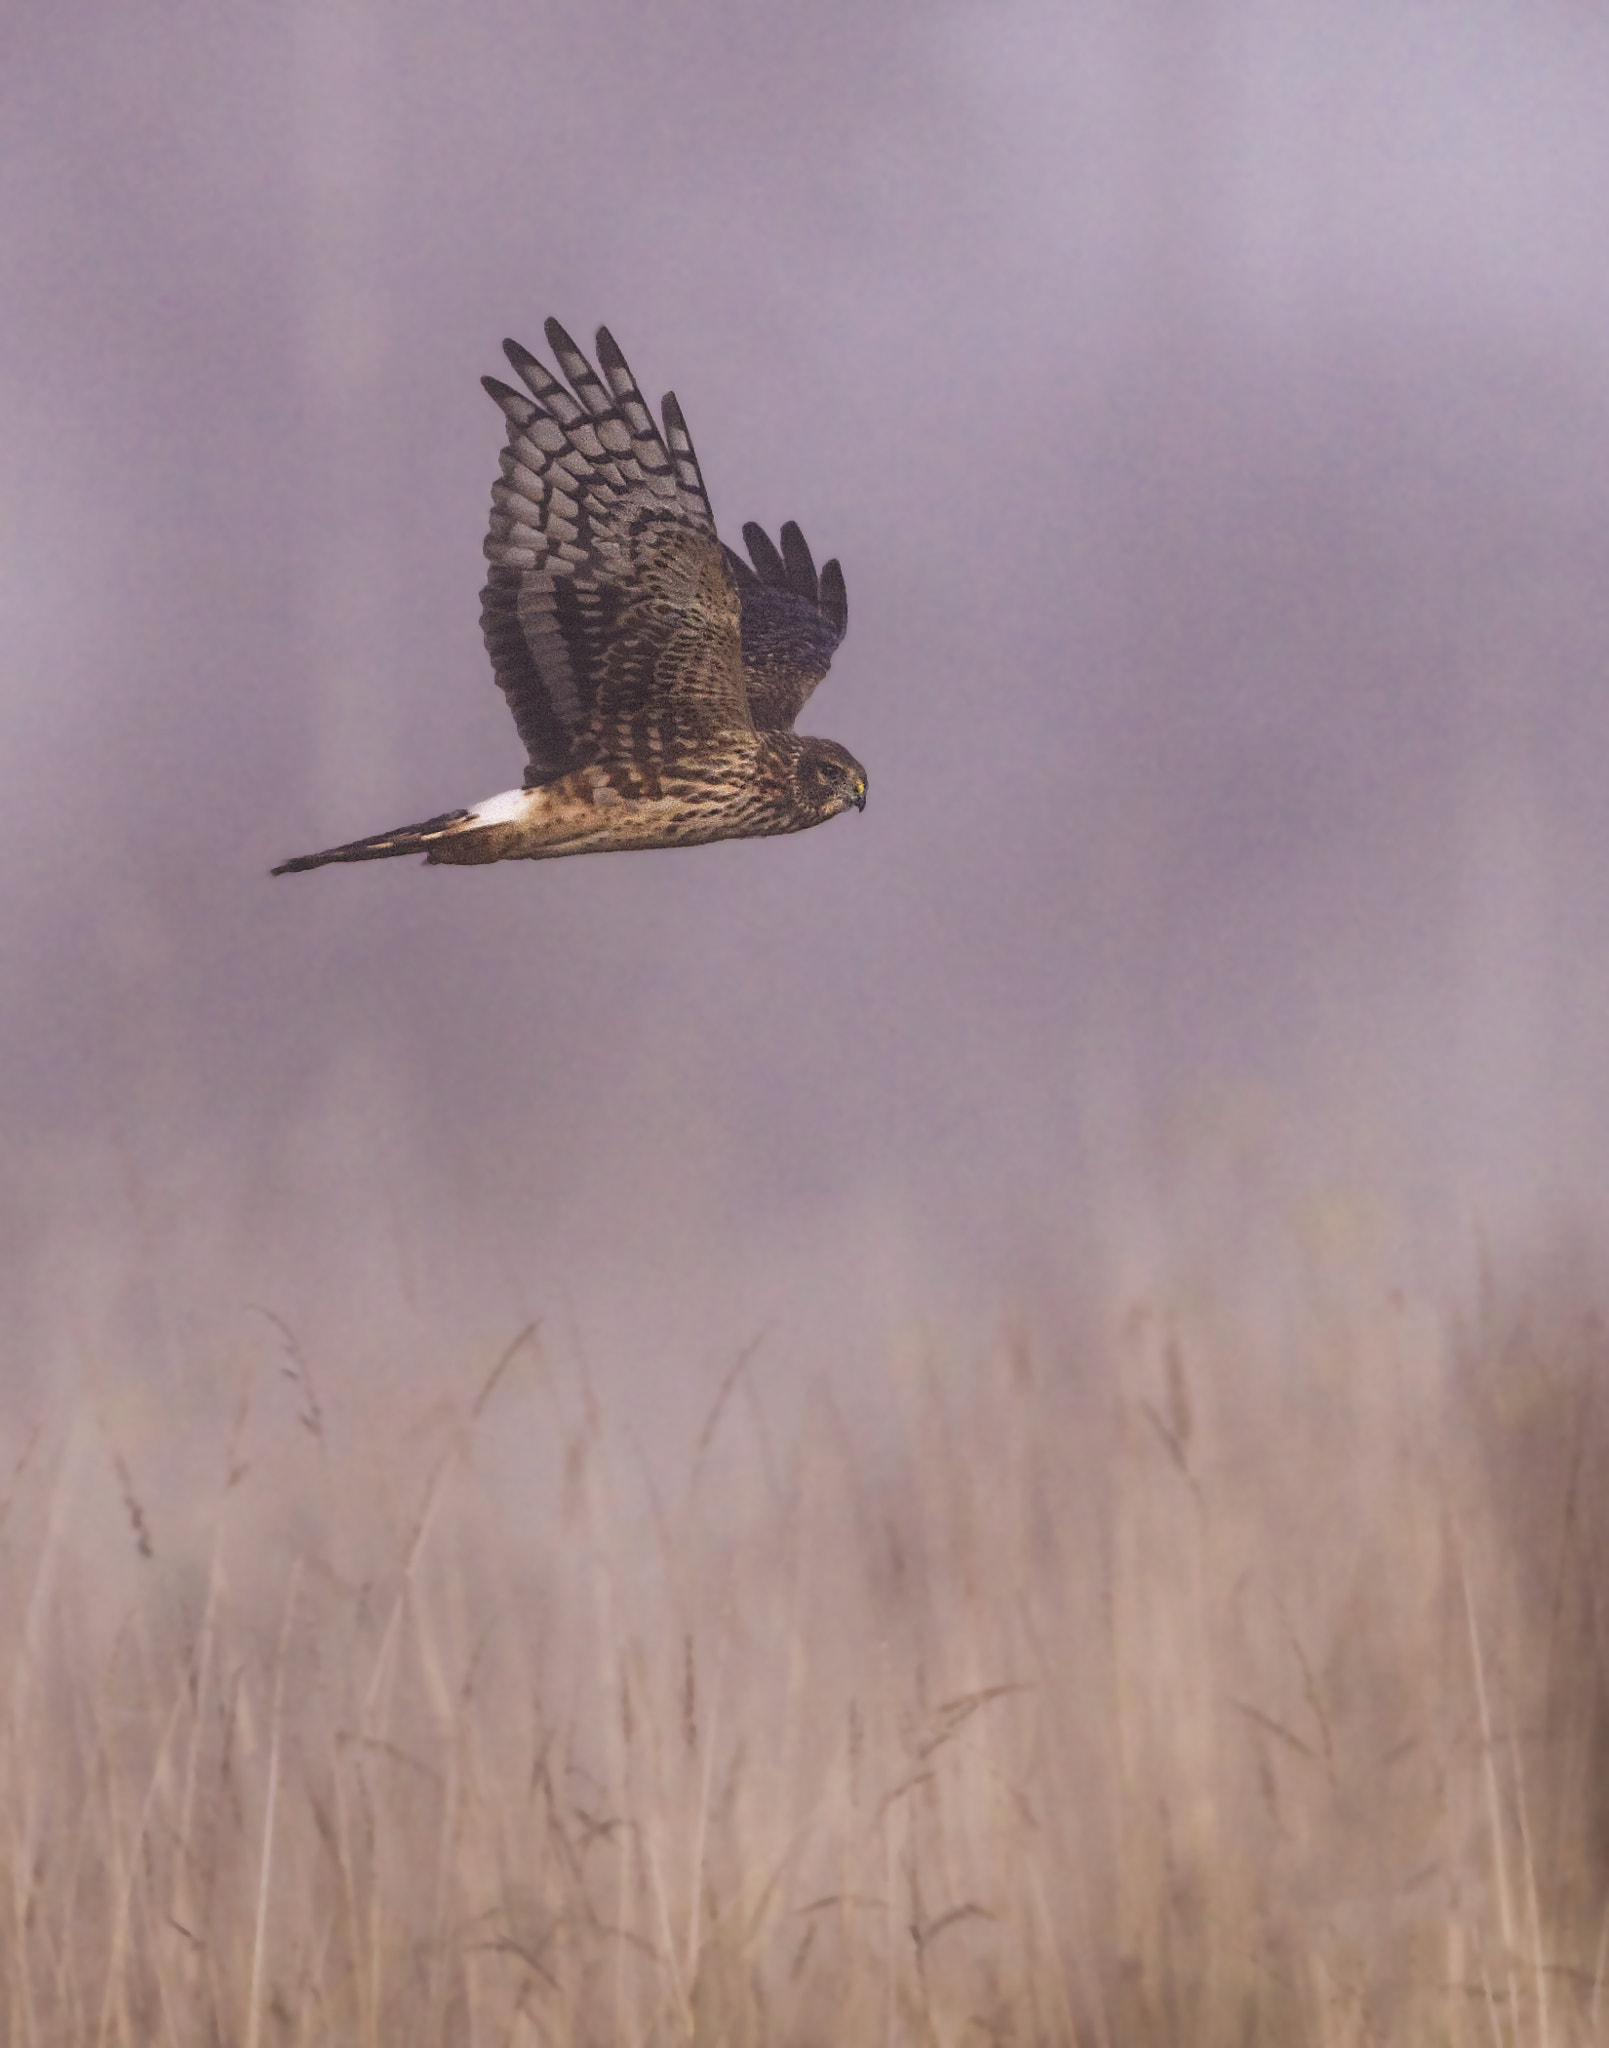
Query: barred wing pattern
{"x": 609, "y": 613}
{"x": 792, "y": 623}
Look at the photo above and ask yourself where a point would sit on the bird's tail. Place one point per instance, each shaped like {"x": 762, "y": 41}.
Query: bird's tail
{"x": 388, "y": 845}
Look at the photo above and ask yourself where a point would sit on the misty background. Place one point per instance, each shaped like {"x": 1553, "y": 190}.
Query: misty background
{"x": 1208, "y": 404}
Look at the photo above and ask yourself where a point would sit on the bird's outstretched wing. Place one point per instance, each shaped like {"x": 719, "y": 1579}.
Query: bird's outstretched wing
{"x": 793, "y": 621}
{"x": 609, "y": 613}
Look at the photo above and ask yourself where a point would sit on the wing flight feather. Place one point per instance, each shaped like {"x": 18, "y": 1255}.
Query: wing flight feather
{"x": 609, "y": 613}
{"x": 793, "y": 621}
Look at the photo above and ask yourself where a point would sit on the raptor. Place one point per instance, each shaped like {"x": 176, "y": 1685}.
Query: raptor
{"x": 654, "y": 674}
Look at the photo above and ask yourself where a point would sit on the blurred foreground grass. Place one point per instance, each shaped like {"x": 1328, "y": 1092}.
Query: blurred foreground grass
{"x": 1207, "y": 1677}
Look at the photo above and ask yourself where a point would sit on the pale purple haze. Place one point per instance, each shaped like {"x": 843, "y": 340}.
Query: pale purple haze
{"x": 1210, "y": 407}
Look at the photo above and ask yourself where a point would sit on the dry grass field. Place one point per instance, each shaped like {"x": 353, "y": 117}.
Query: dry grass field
{"x": 1228, "y": 1671}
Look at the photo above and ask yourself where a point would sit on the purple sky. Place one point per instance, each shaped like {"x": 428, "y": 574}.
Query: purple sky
{"x": 1210, "y": 407}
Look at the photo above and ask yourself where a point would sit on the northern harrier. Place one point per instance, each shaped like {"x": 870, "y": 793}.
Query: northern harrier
{"x": 653, "y": 674}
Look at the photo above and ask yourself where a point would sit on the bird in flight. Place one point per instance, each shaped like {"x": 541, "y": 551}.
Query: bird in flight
{"x": 653, "y": 674}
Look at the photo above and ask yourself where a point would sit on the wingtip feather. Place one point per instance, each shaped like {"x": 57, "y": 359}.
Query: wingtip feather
{"x": 763, "y": 554}
{"x": 799, "y": 562}
{"x": 558, "y": 338}
{"x": 834, "y": 597}
{"x": 514, "y": 404}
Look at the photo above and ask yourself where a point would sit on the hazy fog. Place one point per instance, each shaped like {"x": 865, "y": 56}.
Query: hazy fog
{"x": 1210, "y": 407}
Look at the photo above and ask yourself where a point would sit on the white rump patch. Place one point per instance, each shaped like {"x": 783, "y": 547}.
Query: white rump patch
{"x": 507, "y": 809}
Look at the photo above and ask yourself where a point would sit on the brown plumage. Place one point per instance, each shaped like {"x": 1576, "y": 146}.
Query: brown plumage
{"x": 653, "y": 674}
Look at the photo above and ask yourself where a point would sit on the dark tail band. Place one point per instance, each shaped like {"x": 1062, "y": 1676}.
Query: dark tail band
{"x": 382, "y": 845}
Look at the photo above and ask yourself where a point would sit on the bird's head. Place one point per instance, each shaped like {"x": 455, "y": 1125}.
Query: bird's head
{"x": 827, "y": 779}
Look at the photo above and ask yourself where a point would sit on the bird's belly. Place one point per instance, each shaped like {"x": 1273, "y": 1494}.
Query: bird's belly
{"x": 579, "y": 813}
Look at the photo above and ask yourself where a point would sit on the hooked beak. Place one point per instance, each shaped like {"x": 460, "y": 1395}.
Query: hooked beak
{"x": 860, "y": 796}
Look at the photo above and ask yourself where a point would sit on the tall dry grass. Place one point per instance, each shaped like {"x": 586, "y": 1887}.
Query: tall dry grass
{"x": 1231, "y": 1673}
